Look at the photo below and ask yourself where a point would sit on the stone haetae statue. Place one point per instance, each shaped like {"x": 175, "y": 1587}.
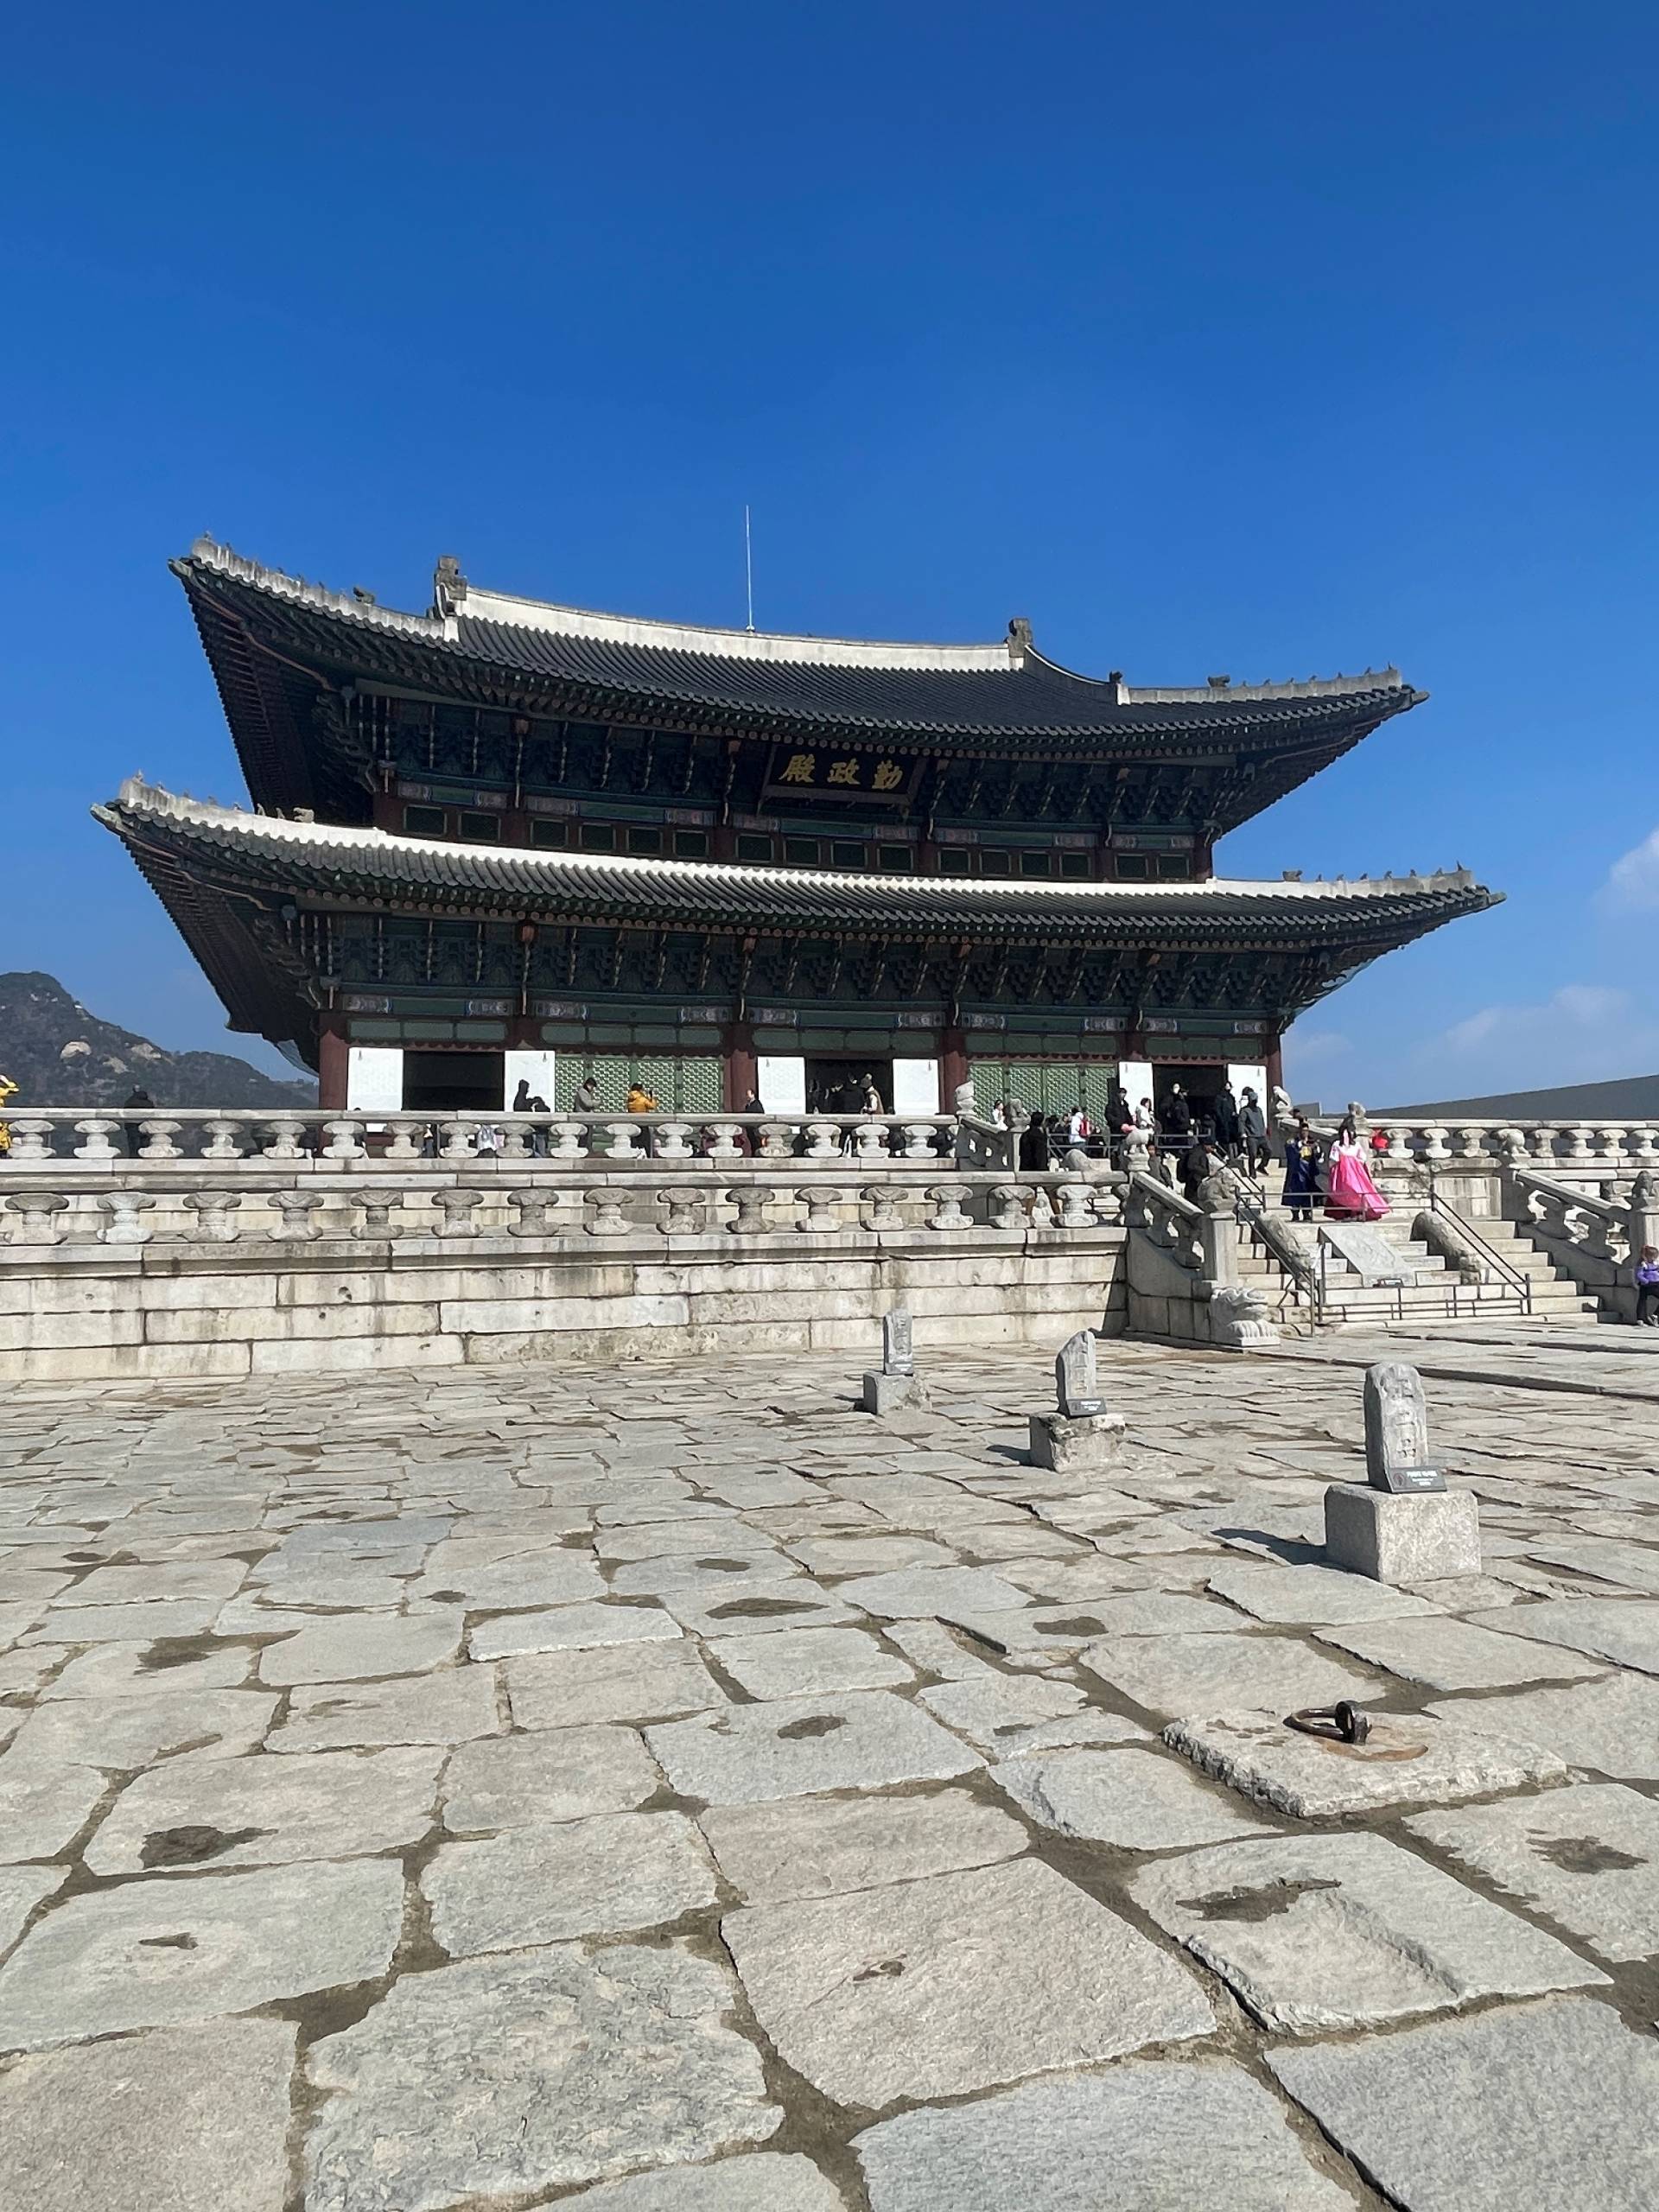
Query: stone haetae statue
{"x": 1239, "y": 1317}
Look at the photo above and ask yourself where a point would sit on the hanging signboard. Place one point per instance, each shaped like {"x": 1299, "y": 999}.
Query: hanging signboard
{"x": 835, "y": 772}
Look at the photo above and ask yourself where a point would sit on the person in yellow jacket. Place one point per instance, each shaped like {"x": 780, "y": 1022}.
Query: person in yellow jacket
{"x": 8, "y": 1091}
{"x": 640, "y": 1100}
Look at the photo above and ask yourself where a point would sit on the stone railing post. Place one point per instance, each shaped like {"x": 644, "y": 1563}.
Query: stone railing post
{"x": 296, "y": 1208}
{"x": 777, "y": 1141}
{"x": 31, "y": 1137}
{"x": 1435, "y": 1150}
{"x": 918, "y": 1141}
{"x": 1008, "y": 1208}
{"x": 1578, "y": 1141}
{"x": 1077, "y": 1211}
{"x": 750, "y": 1217}
{"x": 948, "y": 1198}
{"x": 682, "y": 1212}
{"x": 1641, "y": 1219}
{"x": 880, "y": 1210}
{"x": 345, "y": 1139}
{"x": 286, "y": 1130}
{"x": 518, "y": 1139}
{"x": 823, "y": 1206}
{"x": 457, "y": 1209}
{"x": 1639, "y": 1144}
{"x": 96, "y": 1130}
{"x": 215, "y": 1212}
{"x": 457, "y": 1140}
{"x": 222, "y": 1131}
{"x": 870, "y": 1142}
{"x": 823, "y": 1141}
{"x": 125, "y": 1225}
{"x": 158, "y": 1141}
{"x": 535, "y": 1211}
{"x": 376, "y": 1215}
{"x": 405, "y": 1134}
{"x": 625, "y": 1141}
{"x": 670, "y": 1140}
{"x": 720, "y": 1141}
{"x": 564, "y": 1140}
{"x": 1218, "y": 1239}
{"x": 606, "y": 1219}
{"x": 34, "y": 1217}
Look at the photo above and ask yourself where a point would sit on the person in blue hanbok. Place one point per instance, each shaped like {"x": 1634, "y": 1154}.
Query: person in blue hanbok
{"x": 1302, "y": 1162}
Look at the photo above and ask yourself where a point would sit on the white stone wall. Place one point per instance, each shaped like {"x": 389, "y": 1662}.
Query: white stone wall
{"x": 162, "y": 1310}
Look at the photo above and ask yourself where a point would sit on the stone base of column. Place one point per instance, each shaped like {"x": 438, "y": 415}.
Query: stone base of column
{"x": 1401, "y": 1538}
{"x": 1062, "y": 1441}
{"x": 892, "y": 1393}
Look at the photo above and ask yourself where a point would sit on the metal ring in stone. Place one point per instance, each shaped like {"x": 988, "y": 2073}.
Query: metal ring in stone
{"x": 1337, "y": 1724}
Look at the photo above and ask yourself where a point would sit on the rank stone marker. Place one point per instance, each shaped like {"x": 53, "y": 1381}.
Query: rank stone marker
{"x": 897, "y": 1384}
{"x": 1083, "y": 1433}
{"x": 1401, "y": 1525}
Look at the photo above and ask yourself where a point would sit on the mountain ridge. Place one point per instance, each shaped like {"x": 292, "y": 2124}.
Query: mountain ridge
{"x": 59, "y": 1054}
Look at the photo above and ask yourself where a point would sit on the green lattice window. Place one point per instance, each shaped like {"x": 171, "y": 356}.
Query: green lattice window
{"x": 1047, "y": 1086}
{"x": 681, "y": 1082}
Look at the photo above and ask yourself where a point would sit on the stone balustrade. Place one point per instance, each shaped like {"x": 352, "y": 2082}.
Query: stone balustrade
{"x": 1166, "y": 1220}
{"x": 34, "y": 1219}
{"x": 145, "y": 1145}
{"x": 1587, "y": 1148}
{"x": 1599, "y": 1226}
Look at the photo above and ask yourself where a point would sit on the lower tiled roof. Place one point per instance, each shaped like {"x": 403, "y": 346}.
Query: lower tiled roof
{"x": 225, "y": 844}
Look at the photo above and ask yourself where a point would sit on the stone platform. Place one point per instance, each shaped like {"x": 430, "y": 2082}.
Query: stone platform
{"x": 664, "y": 1787}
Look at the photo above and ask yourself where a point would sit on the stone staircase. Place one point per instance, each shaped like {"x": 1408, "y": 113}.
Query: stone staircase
{"x": 1437, "y": 1294}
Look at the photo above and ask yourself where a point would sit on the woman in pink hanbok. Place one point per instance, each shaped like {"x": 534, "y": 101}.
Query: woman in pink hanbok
{"x": 1351, "y": 1195}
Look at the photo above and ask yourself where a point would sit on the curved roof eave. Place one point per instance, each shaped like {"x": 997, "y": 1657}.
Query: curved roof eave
{"x": 660, "y": 893}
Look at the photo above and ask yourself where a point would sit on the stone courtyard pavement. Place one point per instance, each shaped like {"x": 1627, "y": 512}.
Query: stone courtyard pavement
{"x": 667, "y": 1790}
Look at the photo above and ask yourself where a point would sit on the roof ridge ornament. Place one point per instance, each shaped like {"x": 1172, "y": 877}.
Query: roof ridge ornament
{"x": 448, "y": 588}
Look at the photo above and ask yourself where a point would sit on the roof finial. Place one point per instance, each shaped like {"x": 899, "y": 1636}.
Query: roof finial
{"x": 1019, "y": 642}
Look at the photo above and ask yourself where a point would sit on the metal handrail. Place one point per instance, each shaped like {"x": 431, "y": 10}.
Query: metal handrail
{"x": 1299, "y": 1273}
{"x": 1517, "y": 1279}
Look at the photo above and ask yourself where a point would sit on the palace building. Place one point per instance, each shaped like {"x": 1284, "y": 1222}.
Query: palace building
{"x": 506, "y": 840}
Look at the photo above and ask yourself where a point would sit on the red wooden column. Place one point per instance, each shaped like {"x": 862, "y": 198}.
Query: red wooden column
{"x": 953, "y": 1067}
{"x": 1275, "y": 1066}
{"x": 331, "y": 1062}
{"x": 743, "y": 1068}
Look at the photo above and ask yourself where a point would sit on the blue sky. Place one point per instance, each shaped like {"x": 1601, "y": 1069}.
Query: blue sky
{"x": 1277, "y": 340}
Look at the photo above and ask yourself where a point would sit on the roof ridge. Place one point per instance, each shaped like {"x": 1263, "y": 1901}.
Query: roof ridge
{"x": 460, "y": 601}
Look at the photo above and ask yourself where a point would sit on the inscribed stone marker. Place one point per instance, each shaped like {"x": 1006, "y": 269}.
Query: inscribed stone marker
{"x": 898, "y": 1354}
{"x": 1076, "y": 1384}
{"x": 1396, "y": 1430}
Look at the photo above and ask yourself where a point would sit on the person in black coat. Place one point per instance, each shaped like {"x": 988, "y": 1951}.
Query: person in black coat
{"x": 1175, "y": 1114}
{"x": 1226, "y": 1109}
{"x": 1197, "y": 1166}
{"x": 1034, "y": 1144}
{"x": 137, "y": 1100}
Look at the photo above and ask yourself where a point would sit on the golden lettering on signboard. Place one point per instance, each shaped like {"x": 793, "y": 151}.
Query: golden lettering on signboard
{"x": 844, "y": 772}
{"x": 888, "y": 776}
{"x": 803, "y": 768}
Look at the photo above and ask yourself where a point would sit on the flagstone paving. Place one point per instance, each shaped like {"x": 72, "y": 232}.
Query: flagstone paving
{"x": 667, "y": 1788}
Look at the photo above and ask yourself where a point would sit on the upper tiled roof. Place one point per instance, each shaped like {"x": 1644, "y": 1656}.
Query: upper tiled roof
{"x": 477, "y": 643}
{"x": 430, "y": 872}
